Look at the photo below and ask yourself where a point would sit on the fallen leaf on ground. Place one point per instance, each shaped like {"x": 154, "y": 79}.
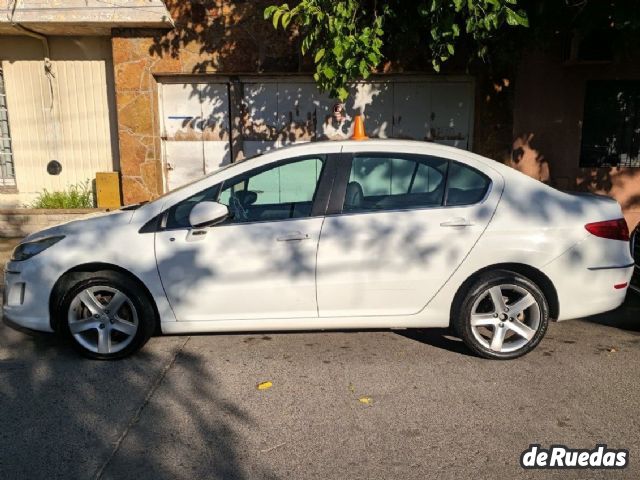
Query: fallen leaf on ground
{"x": 366, "y": 400}
{"x": 612, "y": 350}
{"x": 265, "y": 385}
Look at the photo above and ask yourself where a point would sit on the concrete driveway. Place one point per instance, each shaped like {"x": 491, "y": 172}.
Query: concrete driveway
{"x": 406, "y": 404}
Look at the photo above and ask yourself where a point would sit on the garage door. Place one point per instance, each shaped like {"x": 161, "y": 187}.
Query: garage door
{"x": 276, "y": 112}
{"x": 195, "y": 130}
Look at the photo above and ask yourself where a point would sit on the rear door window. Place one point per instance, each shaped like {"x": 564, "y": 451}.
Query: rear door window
{"x": 389, "y": 182}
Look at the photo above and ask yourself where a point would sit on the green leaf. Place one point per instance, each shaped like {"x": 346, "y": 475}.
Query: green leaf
{"x": 343, "y": 94}
{"x": 319, "y": 55}
{"x": 328, "y": 72}
{"x": 276, "y": 17}
{"x": 451, "y": 48}
{"x": 337, "y": 51}
{"x": 515, "y": 19}
{"x": 286, "y": 19}
{"x": 269, "y": 11}
{"x": 364, "y": 67}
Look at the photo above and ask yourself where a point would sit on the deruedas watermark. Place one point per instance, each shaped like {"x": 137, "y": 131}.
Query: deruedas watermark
{"x": 561, "y": 456}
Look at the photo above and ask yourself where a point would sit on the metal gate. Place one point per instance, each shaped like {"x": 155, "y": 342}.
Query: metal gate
{"x": 272, "y": 112}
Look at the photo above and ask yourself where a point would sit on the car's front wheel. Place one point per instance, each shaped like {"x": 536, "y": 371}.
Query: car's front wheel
{"x": 105, "y": 315}
{"x": 504, "y": 315}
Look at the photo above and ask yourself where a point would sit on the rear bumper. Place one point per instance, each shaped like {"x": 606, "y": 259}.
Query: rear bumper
{"x": 635, "y": 251}
{"x": 590, "y": 291}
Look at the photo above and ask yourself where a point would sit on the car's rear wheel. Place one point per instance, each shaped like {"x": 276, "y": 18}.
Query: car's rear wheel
{"x": 105, "y": 316}
{"x": 504, "y": 315}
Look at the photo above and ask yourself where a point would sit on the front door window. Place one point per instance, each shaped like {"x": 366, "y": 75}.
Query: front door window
{"x": 278, "y": 193}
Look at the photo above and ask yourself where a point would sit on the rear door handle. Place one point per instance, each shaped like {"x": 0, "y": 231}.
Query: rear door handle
{"x": 457, "y": 222}
{"x": 292, "y": 237}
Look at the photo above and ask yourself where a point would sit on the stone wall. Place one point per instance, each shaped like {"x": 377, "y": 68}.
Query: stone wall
{"x": 18, "y": 222}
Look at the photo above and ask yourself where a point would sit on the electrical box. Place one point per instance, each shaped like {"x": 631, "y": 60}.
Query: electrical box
{"x": 108, "y": 190}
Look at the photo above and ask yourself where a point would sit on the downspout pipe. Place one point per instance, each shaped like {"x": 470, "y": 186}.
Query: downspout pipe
{"x": 47, "y": 56}
{"x": 45, "y": 46}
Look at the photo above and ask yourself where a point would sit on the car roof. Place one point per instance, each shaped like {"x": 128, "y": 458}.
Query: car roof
{"x": 372, "y": 144}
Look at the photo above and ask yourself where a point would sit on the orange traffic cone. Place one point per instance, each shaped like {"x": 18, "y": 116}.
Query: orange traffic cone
{"x": 358, "y": 129}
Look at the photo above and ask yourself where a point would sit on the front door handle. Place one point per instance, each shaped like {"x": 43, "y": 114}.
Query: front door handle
{"x": 457, "y": 222}
{"x": 195, "y": 235}
{"x": 292, "y": 237}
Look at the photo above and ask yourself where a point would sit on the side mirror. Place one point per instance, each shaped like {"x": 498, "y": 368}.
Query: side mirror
{"x": 204, "y": 214}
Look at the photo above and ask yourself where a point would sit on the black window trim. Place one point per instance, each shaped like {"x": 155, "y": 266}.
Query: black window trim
{"x": 344, "y": 171}
{"x": 320, "y": 199}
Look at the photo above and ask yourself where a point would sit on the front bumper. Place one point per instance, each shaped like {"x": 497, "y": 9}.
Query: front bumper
{"x": 26, "y": 297}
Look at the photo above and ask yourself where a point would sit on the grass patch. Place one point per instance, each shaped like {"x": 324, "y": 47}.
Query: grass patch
{"x": 79, "y": 195}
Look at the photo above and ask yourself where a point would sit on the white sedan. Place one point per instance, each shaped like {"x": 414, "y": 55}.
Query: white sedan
{"x": 330, "y": 235}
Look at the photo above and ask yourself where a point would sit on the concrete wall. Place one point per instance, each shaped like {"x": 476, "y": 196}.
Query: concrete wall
{"x": 80, "y": 17}
{"x": 548, "y": 113}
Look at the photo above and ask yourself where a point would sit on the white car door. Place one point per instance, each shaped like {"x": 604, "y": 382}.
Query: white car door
{"x": 397, "y": 230}
{"x": 261, "y": 262}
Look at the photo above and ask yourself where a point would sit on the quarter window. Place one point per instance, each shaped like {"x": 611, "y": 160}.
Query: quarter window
{"x": 465, "y": 185}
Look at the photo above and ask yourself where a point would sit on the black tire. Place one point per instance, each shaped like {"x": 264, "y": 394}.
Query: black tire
{"x": 75, "y": 283}
{"x": 477, "y": 292}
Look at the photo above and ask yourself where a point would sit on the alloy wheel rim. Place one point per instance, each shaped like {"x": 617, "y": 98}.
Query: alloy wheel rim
{"x": 505, "y": 318}
{"x": 102, "y": 319}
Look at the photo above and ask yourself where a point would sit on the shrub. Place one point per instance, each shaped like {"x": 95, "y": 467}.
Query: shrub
{"x": 79, "y": 195}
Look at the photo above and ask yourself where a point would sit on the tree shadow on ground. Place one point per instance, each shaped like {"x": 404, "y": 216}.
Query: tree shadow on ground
{"x": 64, "y": 417}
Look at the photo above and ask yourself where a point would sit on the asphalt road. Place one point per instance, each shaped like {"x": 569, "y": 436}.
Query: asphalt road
{"x": 189, "y": 407}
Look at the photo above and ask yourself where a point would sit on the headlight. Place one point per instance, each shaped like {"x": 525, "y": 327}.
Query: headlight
{"x": 27, "y": 250}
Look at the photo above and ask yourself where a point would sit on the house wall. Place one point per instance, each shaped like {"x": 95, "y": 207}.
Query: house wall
{"x": 66, "y": 116}
{"x": 548, "y": 113}
{"x": 210, "y": 37}
{"x": 226, "y": 42}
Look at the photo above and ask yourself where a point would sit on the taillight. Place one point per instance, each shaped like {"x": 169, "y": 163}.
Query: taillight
{"x": 611, "y": 229}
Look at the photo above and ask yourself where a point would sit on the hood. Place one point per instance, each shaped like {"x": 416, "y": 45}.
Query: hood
{"x": 99, "y": 220}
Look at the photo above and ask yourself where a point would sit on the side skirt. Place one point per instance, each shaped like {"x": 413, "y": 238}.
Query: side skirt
{"x": 328, "y": 323}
